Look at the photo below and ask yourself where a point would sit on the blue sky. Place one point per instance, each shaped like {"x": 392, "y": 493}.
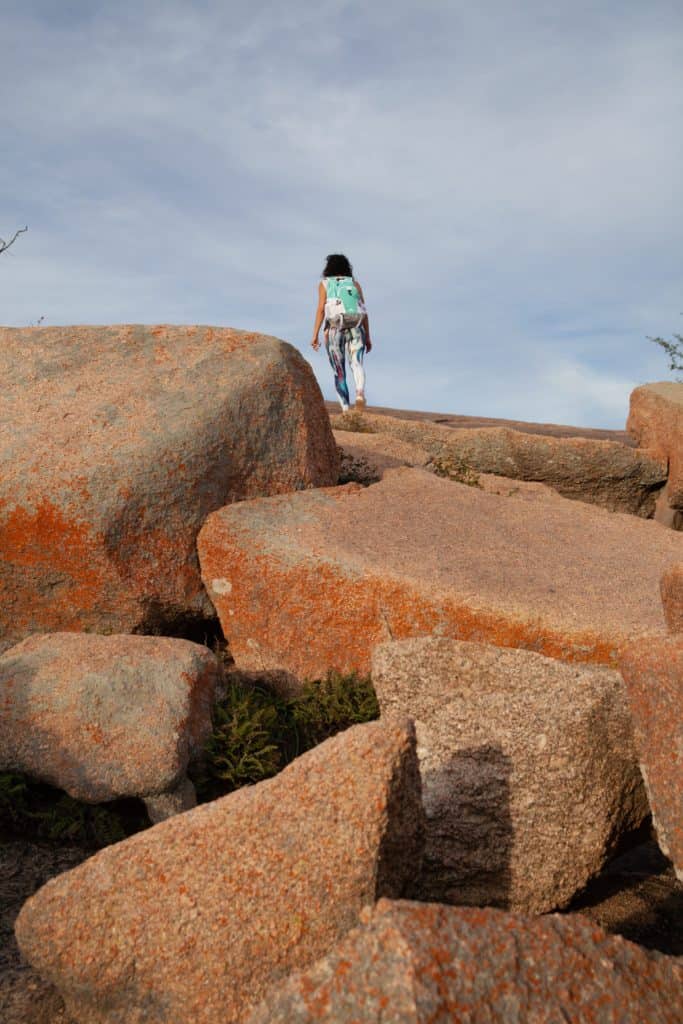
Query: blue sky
{"x": 506, "y": 179}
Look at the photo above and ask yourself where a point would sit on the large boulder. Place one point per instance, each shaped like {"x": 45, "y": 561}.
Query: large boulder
{"x": 606, "y": 473}
{"x": 107, "y": 716}
{"x": 653, "y": 672}
{"x": 116, "y": 444}
{"x": 416, "y": 963}
{"x": 656, "y": 422}
{"x": 195, "y": 918}
{"x": 529, "y": 772}
{"x": 305, "y": 582}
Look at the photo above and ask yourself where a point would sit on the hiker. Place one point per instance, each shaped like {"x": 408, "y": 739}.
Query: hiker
{"x": 346, "y": 329}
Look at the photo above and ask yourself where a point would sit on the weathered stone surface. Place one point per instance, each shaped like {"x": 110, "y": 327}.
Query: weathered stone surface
{"x": 105, "y": 716}
{"x": 116, "y": 444}
{"x": 672, "y": 598}
{"x": 379, "y": 452}
{"x": 305, "y": 582}
{"x": 416, "y": 963}
{"x": 653, "y": 672}
{"x": 529, "y": 772}
{"x": 195, "y": 918}
{"x": 656, "y": 421}
{"x": 606, "y": 473}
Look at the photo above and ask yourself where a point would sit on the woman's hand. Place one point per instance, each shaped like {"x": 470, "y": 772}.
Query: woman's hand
{"x": 315, "y": 343}
{"x": 368, "y": 345}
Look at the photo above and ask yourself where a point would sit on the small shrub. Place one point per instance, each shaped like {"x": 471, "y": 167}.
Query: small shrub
{"x": 356, "y": 471}
{"x": 674, "y": 352}
{"x": 256, "y": 733}
{"x": 246, "y": 744}
{"x": 454, "y": 468}
{"x": 328, "y": 706}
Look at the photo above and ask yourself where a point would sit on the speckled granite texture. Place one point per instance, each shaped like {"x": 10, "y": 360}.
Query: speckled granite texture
{"x": 193, "y": 919}
{"x": 413, "y": 963}
{"x": 656, "y": 421}
{"x": 672, "y": 598}
{"x": 529, "y": 772}
{"x": 653, "y": 672}
{"x": 105, "y": 716}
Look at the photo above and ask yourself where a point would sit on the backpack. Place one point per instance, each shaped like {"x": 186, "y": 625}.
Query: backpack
{"x": 343, "y": 308}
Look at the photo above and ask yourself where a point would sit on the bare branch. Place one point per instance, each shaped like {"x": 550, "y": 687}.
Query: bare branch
{"x": 5, "y": 245}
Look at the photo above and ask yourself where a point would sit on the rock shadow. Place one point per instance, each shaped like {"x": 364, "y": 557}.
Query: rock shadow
{"x": 469, "y": 834}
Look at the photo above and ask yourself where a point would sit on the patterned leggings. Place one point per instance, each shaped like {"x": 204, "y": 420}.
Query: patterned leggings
{"x": 338, "y": 343}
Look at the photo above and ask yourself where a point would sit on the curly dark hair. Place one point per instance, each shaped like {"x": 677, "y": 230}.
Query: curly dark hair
{"x": 337, "y": 265}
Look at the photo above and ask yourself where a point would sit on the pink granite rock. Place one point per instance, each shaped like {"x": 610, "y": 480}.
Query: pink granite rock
{"x": 653, "y": 671}
{"x": 672, "y": 598}
{"x": 195, "y": 918}
{"x": 116, "y": 444}
{"x": 529, "y": 773}
{"x": 106, "y": 716}
{"x": 417, "y": 963}
{"x": 656, "y": 421}
{"x": 305, "y": 582}
{"x": 606, "y": 473}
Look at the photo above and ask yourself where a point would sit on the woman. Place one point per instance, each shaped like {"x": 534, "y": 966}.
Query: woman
{"x": 345, "y": 334}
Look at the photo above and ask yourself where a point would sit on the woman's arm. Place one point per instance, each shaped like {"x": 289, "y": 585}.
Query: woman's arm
{"x": 319, "y": 315}
{"x": 368, "y": 343}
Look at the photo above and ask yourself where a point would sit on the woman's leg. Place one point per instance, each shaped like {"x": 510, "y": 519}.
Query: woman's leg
{"x": 356, "y": 345}
{"x": 334, "y": 343}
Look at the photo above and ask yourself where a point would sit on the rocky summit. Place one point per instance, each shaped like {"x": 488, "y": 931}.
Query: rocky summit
{"x": 414, "y": 554}
{"x": 395, "y": 844}
{"x": 116, "y": 443}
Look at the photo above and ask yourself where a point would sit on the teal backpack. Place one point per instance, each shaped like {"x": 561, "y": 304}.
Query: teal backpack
{"x": 344, "y": 307}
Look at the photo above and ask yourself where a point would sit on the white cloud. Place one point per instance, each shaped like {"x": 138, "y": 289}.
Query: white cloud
{"x": 507, "y": 182}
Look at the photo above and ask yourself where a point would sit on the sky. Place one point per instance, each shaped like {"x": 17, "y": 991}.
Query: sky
{"x": 505, "y": 178}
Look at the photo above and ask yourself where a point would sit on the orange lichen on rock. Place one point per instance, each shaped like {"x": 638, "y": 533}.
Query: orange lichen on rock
{"x": 315, "y": 580}
{"x": 120, "y": 441}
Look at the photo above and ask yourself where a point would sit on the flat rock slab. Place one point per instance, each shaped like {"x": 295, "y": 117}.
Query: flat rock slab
{"x": 105, "y": 716}
{"x": 309, "y": 581}
{"x": 529, "y": 772}
{"x": 416, "y": 963}
{"x": 116, "y": 442}
{"x": 193, "y": 919}
{"x": 605, "y": 473}
{"x": 653, "y": 672}
{"x": 656, "y": 421}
